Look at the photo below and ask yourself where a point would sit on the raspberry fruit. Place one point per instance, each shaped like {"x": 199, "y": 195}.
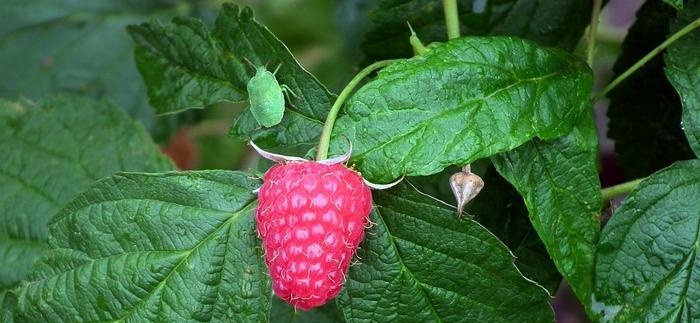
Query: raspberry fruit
{"x": 311, "y": 218}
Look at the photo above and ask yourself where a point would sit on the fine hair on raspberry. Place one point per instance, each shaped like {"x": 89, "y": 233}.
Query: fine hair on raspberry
{"x": 311, "y": 218}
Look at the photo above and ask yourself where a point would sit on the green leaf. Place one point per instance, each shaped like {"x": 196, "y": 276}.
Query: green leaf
{"x": 645, "y": 111}
{"x": 49, "y": 46}
{"x": 420, "y": 264}
{"x": 282, "y": 312}
{"x": 7, "y": 301}
{"x": 558, "y": 180}
{"x": 678, "y": 4}
{"x": 438, "y": 185}
{"x": 186, "y": 66}
{"x": 500, "y": 209}
{"x": 50, "y": 152}
{"x": 153, "y": 247}
{"x": 475, "y": 96}
{"x": 646, "y": 265}
{"x": 552, "y": 23}
{"x": 683, "y": 71}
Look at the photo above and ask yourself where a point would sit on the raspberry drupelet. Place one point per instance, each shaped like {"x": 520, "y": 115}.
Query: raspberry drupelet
{"x": 311, "y": 218}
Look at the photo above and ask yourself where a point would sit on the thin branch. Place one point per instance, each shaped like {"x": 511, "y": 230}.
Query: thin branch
{"x": 649, "y": 56}
{"x": 592, "y": 32}
{"x": 451, "y": 18}
{"x": 620, "y": 189}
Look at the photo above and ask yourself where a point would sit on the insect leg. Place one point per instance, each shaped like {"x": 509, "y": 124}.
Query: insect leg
{"x": 288, "y": 91}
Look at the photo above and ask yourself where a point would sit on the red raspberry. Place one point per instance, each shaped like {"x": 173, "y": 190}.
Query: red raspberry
{"x": 311, "y": 218}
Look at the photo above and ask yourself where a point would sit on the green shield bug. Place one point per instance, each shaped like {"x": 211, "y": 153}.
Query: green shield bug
{"x": 266, "y": 96}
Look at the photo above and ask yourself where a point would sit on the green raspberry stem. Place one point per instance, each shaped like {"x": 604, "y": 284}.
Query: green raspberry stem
{"x": 688, "y": 28}
{"x": 593, "y": 32}
{"x": 619, "y": 189}
{"x": 451, "y": 18}
{"x": 324, "y": 142}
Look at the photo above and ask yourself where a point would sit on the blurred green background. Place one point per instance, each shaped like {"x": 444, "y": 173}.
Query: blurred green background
{"x": 81, "y": 47}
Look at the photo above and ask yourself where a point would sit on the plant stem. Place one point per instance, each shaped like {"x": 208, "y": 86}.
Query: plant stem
{"x": 418, "y": 47}
{"x": 649, "y": 56}
{"x": 325, "y": 140}
{"x": 619, "y": 189}
{"x": 592, "y": 32}
{"x": 451, "y": 18}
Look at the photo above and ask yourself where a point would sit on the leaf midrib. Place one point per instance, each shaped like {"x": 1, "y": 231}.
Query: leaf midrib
{"x": 405, "y": 269}
{"x": 184, "y": 259}
{"x": 458, "y": 107}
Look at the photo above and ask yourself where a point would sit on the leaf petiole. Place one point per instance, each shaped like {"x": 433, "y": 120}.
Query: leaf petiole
{"x": 688, "y": 28}
{"x": 451, "y": 18}
{"x": 592, "y": 32}
{"x": 325, "y": 140}
{"x": 619, "y": 189}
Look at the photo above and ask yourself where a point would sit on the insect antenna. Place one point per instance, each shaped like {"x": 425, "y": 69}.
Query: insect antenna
{"x": 249, "y": 62}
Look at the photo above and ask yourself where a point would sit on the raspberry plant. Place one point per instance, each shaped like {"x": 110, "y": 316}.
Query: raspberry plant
{"x": 99, "y": 226}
